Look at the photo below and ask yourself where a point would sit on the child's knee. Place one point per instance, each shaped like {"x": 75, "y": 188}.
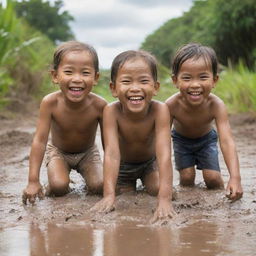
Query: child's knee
{"x": 59, "y": 188}
{"x": 213, "y": 180}
{"x": 153, "y": 189}
{"x": 95, "y": 187}
{"x": 187, "y": 177}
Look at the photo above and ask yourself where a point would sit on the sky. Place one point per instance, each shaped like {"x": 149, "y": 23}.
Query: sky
{"x": 114, "y": 26}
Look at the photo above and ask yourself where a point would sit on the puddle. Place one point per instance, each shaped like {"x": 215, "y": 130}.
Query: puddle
{"x": 201, "y": 239}
{"x": 207, "y": 223}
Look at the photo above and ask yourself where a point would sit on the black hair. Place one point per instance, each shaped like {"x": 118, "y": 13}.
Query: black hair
{"x": 70, "y": 46}
{"x": 194, "y": 51}
{"x": 121, "y": 58}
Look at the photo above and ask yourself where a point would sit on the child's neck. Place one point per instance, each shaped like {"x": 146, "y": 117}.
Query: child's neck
{"x": 136, "y": 115}
{"x": 76, "y": 105}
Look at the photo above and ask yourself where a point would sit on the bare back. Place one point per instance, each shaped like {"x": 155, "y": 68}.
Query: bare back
{"x": 73, "y": 129}
{"x": 192, "y": 122}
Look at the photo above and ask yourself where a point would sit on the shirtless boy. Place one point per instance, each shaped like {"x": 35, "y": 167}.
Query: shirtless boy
{"x": 192, "y": 111}
{"x": 72, "y": 114}
{"x": 136, "y": 134}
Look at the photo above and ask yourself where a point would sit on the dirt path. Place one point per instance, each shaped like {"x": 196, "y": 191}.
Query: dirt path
{"x": 207, "y": 223}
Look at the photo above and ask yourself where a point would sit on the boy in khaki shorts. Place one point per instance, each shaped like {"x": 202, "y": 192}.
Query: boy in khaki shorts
{"x": 72, "y": 114}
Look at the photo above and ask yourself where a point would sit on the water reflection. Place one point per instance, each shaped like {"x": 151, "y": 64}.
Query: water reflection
{"x": 199, "y": 239}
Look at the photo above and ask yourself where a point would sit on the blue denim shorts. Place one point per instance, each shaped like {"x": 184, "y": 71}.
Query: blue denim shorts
{"x": 201, "y": 152}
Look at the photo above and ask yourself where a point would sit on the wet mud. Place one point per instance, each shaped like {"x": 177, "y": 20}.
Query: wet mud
{"x": 207, "y": 223}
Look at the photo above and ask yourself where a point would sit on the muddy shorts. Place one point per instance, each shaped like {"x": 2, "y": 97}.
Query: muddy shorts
{"x": 130, "y": 172}
{"x": 201, "y": 152}
{"x": 76, "y": 161}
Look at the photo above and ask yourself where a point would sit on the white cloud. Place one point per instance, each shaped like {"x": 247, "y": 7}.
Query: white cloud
{"x": 113, "y": 26}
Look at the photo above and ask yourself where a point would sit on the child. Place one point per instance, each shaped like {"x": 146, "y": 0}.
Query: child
{"x": 136, "y": 133}
{"x": 192, "y": 111}
{"x": 72, "y": 114}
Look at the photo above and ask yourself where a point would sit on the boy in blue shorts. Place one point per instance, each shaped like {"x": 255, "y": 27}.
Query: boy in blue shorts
{"x": 192, "y": 111}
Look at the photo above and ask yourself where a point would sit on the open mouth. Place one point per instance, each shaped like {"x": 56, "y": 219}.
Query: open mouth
{"x": 194, "y": 93}
{"x": 76, "y": 90}
{"x": 136, "y": 99}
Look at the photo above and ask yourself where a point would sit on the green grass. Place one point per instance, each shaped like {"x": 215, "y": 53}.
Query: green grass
{"x": 237, "y": 88}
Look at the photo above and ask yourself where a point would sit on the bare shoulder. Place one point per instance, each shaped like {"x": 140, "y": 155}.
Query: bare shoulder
{"x": 159, "y": 109}
{"x": 158, "y": 105}
{"x": 173, "y": 102}
{"x": 50, "y": 100}
{"x": 216, "y": 103}
{"x": 97, "y": 101}
{"x": 113, "y": 107}
{"x": 217, "y": 108}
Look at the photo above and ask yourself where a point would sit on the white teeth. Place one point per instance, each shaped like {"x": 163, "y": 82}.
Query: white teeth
{"x": 195, "y": 93}
{"x": 135, "y": 98}
{"x": 76, "y": 89}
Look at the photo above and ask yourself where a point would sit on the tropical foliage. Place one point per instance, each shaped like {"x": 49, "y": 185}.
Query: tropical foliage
{"x": 24, "y": 53}
{"x": 227, "y": 26}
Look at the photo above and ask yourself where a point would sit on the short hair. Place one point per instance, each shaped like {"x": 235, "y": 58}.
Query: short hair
{"x": 71, "y": 46}
{"x": 123, "y": 57}
{"x": 194, "y": 51}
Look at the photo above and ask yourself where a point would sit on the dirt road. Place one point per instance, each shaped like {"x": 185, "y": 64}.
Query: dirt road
{"x": 206, "y": 224}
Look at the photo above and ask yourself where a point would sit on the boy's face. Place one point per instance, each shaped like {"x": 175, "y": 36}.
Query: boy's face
{"x": 195, "y": 80}
{"x": 134, "y": 85}
{"x": 75, "y": 75}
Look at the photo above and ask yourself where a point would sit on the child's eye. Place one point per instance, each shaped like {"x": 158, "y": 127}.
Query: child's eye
{"x": 86, "y": 73}
{"x": 185, "y": 78}
{"x": 204, "y": 77}
{"x": 125, "y": 81}
{"x": 144, "y": 81}
{"x": 68, "y": 72}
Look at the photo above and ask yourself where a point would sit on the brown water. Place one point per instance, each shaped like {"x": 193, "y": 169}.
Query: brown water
{"x": 206, "y": 224}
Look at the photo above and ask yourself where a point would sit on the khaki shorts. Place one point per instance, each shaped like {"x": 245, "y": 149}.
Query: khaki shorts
{"x": 76, "y": 161}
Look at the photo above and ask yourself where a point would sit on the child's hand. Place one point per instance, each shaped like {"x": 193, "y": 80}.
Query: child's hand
{"x": 234, "y": 189}
{"x": 105, "y": 205}
{"x": 163, "y": 212}
{"x": 33, "y": 190}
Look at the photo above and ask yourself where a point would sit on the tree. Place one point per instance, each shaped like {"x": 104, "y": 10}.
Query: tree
{"x": 227, "y": 26}
{"x": 46, "y": 18}
{"x": 234, "y": 31}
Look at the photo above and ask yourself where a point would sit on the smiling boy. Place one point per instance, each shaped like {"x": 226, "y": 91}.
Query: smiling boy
{"x": 72, "y": 115}
{"x": 192, "y": 112}
{"x": 136, "y": 133}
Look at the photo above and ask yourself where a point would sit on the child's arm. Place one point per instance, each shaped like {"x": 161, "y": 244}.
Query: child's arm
{"x": 111, "y": 160}
{"x": 34, "y": 187}
{"x": 228, "y": 148}
{"x": 163, "y": 154}
{"x": 101, "y": 123}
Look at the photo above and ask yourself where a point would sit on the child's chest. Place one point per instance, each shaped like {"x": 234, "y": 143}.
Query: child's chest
{"x": 75, "y": 122}
{"x": 136, "y": 132}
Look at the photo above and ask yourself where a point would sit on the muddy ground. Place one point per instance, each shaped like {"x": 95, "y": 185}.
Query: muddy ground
{"x": 206, "y": 224}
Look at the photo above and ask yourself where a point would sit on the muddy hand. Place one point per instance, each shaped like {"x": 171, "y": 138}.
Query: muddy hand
{"x": 32, "y": 192}
{"x": 234, "y": 195}
{"x": 162, "y": 215}
{"x": 105, "y": 205}
{"x": 234, "y": 191}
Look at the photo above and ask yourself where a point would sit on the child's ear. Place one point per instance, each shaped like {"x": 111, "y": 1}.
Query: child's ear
{"x": 156, "y": 87}
{"x": 96, "y": 78}
{"x": 54, "y": 76}
{"x": 113, "y": 89}
{"x": 215, "y": 80}
{"x": 174, "y": 80}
